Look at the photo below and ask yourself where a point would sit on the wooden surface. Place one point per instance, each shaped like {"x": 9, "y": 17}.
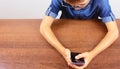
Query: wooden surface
{"x": 22, "y": 46}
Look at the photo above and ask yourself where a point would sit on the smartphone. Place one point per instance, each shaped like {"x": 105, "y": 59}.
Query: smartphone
{"x": 78, "y": 62}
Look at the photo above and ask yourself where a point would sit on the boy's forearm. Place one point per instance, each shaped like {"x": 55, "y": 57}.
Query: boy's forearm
{"x": 45, "y": 30}
{"x": 50, "y": 37}
{"x": 109, "y": 38}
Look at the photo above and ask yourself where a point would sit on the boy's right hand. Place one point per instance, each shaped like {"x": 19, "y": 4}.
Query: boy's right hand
{"x": 68, "y": 56}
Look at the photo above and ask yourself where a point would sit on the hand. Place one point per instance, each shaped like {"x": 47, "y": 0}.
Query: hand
{"x": 67, "y": 56}
{"x": 87, "y": 57}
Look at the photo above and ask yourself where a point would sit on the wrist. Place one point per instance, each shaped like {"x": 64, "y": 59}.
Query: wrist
{"x": 93, "y": 53}
{"x": 65, "y": 52}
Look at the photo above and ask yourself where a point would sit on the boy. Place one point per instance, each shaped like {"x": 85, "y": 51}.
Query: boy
{"x": 80, "y": 9}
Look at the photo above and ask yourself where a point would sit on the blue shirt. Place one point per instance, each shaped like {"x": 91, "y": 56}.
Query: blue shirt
{"x": 94, "y": 9}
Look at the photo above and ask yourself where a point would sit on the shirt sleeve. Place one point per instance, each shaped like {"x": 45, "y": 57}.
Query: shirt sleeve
{"x": 53, "y": 9}
{"x": 105, "y": 11}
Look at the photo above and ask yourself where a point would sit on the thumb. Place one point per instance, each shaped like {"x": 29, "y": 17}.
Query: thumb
{"x": 80, "y": 55}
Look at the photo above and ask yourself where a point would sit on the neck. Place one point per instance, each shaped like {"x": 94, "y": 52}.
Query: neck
{"x": 82, "y": 4}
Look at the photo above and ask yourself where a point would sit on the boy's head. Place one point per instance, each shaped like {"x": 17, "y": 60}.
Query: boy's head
{"x": 74, "y": 1}
{"x": 77, "y": 3}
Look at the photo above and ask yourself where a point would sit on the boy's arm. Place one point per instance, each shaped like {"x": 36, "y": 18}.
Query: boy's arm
{"x": 109, "y": 38}
{"x": 45, "y": 30}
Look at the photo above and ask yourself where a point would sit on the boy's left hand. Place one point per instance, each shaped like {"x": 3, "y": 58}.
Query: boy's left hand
{"x": 87, "y": 58}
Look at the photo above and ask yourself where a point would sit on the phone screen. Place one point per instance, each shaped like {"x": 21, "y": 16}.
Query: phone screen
{"x": 78, "y": 62}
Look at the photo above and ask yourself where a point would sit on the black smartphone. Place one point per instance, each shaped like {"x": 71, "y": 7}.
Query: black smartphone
{"x": 78, "y": 62}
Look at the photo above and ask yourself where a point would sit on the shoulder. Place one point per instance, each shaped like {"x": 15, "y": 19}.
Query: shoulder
{"x": 57, "y": 1}
{"x": 103, "y": 3}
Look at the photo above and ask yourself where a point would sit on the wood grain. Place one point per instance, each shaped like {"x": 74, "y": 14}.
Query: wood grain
{"x": 23, "y": 47}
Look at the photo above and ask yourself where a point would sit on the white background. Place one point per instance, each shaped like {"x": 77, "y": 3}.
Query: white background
{"x": 34, "y": 9}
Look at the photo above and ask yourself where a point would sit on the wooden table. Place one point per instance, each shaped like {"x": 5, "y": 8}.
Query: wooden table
{"x": 22, "y": 46}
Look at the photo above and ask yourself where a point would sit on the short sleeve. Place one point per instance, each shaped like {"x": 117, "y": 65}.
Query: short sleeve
{"x": 105, "y": 11}
{"x": 53, "y": 9}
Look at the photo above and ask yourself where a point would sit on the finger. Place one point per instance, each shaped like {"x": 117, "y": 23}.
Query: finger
{"x": 74, "y": 66}
{"x": 68, "y": 61}
{"x": 85, "y": 65}
{"x": 68, "y": 56}
{"x": 80, "y": 56}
